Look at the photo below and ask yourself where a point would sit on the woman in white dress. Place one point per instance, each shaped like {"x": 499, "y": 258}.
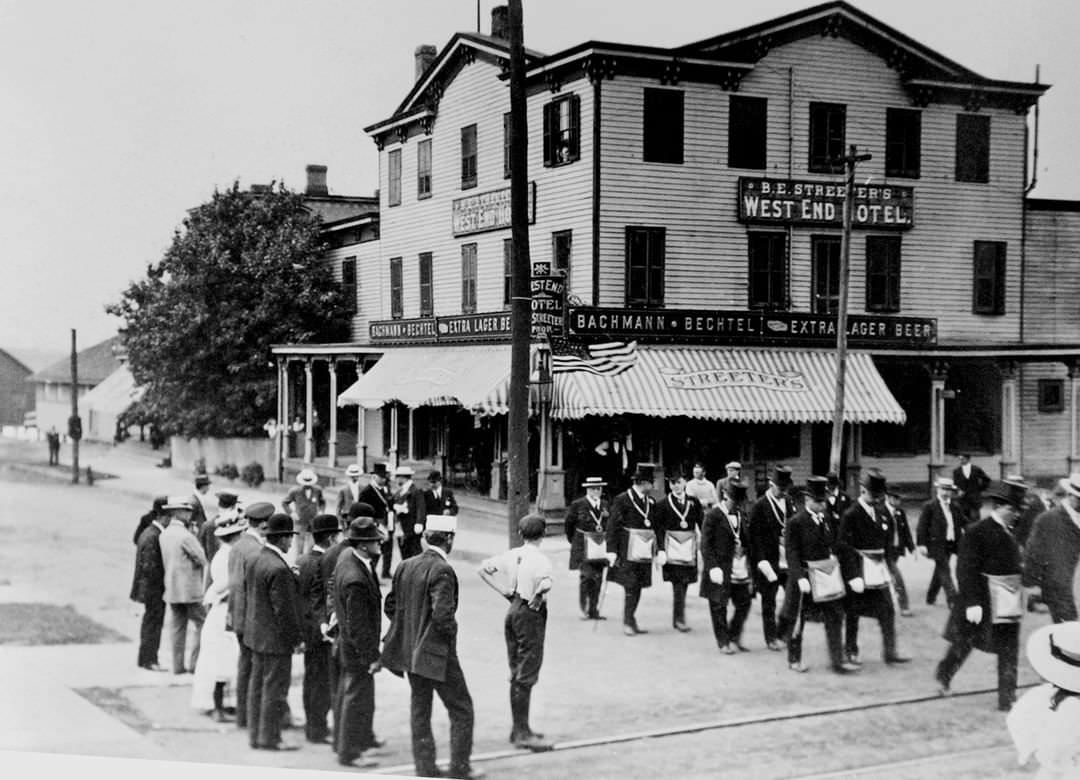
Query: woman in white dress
{"x": 215, "y": 671}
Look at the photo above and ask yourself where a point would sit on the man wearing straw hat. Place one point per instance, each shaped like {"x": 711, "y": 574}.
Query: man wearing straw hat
{"x": 351, "y": 491}
{"x": 585, "y": 521}
{"x": 1052, "y": 554}
{"x": 303, "y": 502}
{"x": 409, "y": 512}
{"x": 941, "y": 525}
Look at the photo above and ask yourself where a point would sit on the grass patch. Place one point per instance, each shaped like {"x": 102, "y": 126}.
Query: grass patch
{"x": 112, "y": 701}
{"x": 49, "y": 624}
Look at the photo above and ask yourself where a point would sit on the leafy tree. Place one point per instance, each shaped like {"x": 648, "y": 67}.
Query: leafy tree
{"x": 244, "y": 272}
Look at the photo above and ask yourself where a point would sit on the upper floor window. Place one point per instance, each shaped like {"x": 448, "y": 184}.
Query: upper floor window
{"x": 508, "y": 271}
{"x": 972, "y": 148}
{"x": 825, "y": 252}
{"x": 883, "y": 273}
{"x": 768, "y": 272}
{"x": 468, "y": 157}
{"x": 988, "y": 294}
{"x": 426, "y": 305}
{"x": 562, "y": 130}
{"x": 747, "y": 128}
{"x": 662, "y": 126}
{"x": 561, "y": 248}
{"x": 903, "y": 142}
{"x": 348, "y": 284}
{"x": 393, "y": 161}
{"x": 468, "y": 278}
{"x": 645, "y": 266}
{"x": 506, "y": 145}
{"x": 423, "y": 169}
{"x": 397, "y": 304}
{"x": 827, "y": 128}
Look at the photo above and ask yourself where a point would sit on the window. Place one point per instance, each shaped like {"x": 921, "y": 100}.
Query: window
{"x": 508, "y": 271}
{"x": 972, "y": 148}
{"x": 468, "y": 278}
{"x": 1051, "y": 395}
{"x": 827, "y": 123}
{"x": 645, "y": 266}
{"x": 506, "y": 145}
{"x": 903, "y": 142}
{"x": 825, "y": 251}
{"x": 423, "y": 169}
{"x": 562, "y": 130}
{"x": 468, "y": 157}
{"x": 394, "y": 164}
{"x": 662, "y": 126}
{"x": 883, "y": 273}
{"x": 768, "y": 270}
{"x": 989, "y": 278}
{"x": 348, "y": 284}
{"x": 561, "y": 247}
{"x": 747, "y": 126}
{"x": 397, "y": 307}
{"x": 426, "y": 307}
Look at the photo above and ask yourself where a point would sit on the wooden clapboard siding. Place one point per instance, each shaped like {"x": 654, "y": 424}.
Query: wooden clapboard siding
{"x": 1044, "y": 436}
{"x": 1052, "y": 284}
{"x": 696, "y": 201}
{"x": 368, "y": 292}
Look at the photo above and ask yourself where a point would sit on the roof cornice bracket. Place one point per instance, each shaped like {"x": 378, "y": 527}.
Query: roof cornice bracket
{"x": 554, "y": 83}
{"x": 597, "y": 68}
{"x": 670, "y": 74}
{"x": 833, "y": 25}
{"x": 975, "y": 100}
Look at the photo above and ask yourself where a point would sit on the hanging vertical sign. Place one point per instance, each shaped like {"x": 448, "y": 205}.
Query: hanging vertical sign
{"x": 548, "y": 295}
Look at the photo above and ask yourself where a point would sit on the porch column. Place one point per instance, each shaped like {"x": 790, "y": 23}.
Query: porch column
{"x": 395, "y": 461}
{"x": 854, "y": 459}
{"x": 280, "y": 443}
{"x": 412, "y": 435}
{"x": 332, "y": 447}
{"x": 938, "y": 372}
{"x": 286, "y": 420}
{"x": 1074, "y": 416}
{"x": 1010, "y": 419}
{"x": 309, "y": 439}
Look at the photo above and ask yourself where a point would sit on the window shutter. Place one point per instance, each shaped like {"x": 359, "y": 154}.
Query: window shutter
{"x": 575, "y": 127}
{"x": 548, "y": 144}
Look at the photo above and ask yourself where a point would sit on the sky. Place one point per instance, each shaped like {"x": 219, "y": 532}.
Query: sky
{"x": 118, "y": 115}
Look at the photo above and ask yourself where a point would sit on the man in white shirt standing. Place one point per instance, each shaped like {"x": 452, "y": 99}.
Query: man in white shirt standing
{"x": 523, "y": 576}
{"x": 702, "y": 489}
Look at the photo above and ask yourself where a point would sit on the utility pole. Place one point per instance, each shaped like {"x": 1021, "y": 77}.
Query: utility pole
{"x": 74, "y": 424}
{"x": 517, "y": 504}
{"x": 850, "y": 161}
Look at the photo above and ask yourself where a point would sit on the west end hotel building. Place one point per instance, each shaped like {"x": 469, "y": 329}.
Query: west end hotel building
{"x": 691, "y": 200}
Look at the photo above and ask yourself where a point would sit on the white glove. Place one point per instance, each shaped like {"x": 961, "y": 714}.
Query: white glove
{"x": 767, "y": 570}
{"x": 716, "y": 574}
{"x": 401, "y": 508}
{"x": 804, "y": 585}
{"x": 661, "y": 558}
{"x": 857, "y": 585}
{"x": 921, "y": 549}
{"x": 418, "y": 529}
{"x": 611, "y": 559}
{"x": 974, "y": 614}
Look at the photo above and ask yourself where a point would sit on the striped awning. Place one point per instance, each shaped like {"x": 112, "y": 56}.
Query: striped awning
{"x": 737, "y": 385}
{"x": 474, "y": 377}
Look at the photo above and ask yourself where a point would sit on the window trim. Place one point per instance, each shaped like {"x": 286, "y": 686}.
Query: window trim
{"x": 393, "y": 173}
{"x": 469, "y": 263}
{"x": 397, "y": 289}
{"x": 506, "y": 145}
{"x": 891, "y": 142}
{"x": 470, "y": 162}
{"x": 508, "y": 271}
{"x": 555, "y": 236}
{"x": 888, "y": 305}
{"x": 552, "y": 111}
{"x": 1051, "y": 407}
{"x": 981, "y": 167}
{"x": 739, "y": 132}
{"x": 813, "y": 164}
{"x": 426, "y": 286}
{"x": 653, "y": 299}
{"x": 997, "y": 307}
{"x": 783, "y": 303}
{"x": 665, "y": 126}
{"x": 352, "y": 303}
{"x": 423, "y": 172}
{"x": 824, "y": 239}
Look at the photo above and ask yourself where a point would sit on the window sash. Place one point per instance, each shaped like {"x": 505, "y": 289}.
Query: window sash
{"x": 988, "y": 276}
{"x": 506, "y": 145}
{"x": 825, "y": 251}
{"x": 562, "y": 246}
{"x": 645, "y": 266}
{"x": 468, "y": 278}
{"x": 468, "y": 157}
{"x": 394, "y": 171}
{"x": 903, "y": 142}
{"x": 562, "y": 132}
{"x": 426, "y": 297}
{"x": 508, "y": 270}
{"x": 883, "y": 273}
{"x": 662, "y": 126}
{"x": 423, "y": 169}
{"x": 747, "y": 132}
{"x": 972, "y": 148}
{"x": 397, "y": 307}
{"x": 767, "y": 277}
{"x": 348, "y": 284}
{"x": 827, "y": 133}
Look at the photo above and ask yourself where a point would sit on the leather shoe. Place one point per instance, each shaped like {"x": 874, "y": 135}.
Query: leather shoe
{"x": 681, "y": 626}
{"x": 897, "y": 659}
{"x": 853, "y": 658}
{"x": 596, "y": 616}
{"x": 361, "y": 761}
{"x": 152, "y": 667}
{"x": 773, "y": 645}
{"x": 799, "y": 667}
{"x": 532, "y": 742}
{"x": 729, "y": 649}
{"x": 906, "y": 613}
{"x": 325, "y": 739}
{"x": 283, "y": 746}
{"x": 472, "y": 774}
{"x": 846, "y": 668}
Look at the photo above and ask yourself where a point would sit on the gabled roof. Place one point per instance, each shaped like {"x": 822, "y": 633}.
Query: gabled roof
{"x": 95, "y": 363}
{"x": 33, "y": 359}
{"x": 332, "y": 208}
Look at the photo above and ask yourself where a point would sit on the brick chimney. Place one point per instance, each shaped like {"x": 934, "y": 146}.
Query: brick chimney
{"x": 425, "y": 55}
{"x": 500, "y": 22}
{"x": 316, "y": 180}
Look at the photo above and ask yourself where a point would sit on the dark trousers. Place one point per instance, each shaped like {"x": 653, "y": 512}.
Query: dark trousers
{"x": 150, "y": 631}
{"x": 724, "y": 631}
{"x": 268, "y": 690}
{"x": 386, "y": 556}
{"x": 1006, "y": 644}
{"x": 524, "y": 630}
{"x": 898, "y": 583}
{"x": 589, "y": 589}
{"x": 334, "y": 672}
{"x": 243, "y": 682}
{"x": 454, "y": 694}
{"x": 678, "y": 602}
{"x": 54, "y": 455}
{"x": 633, "y": 596}
{"x": 410, "y": 546}
{"x": 942, "y": 578}
{"x": 832, "y": 615}
{"x": 879, "y": 603}
{"x": 356, "y": 707}
{"x": 316, "y": 691}
{"x": 769, "y": 626}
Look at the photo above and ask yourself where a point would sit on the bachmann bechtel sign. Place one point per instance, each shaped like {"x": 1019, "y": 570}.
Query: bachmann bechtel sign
{"x": 789, "y": 201}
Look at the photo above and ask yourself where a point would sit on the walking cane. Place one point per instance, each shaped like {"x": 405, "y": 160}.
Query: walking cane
{"x": 603, "y": 592}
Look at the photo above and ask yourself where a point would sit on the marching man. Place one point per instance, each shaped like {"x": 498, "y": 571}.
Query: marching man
{"x": 631, "y": 543}
{"x": 584, "y": 528}
{"x": 725, "y": 538}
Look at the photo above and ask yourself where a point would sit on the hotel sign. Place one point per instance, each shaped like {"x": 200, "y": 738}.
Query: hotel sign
{"x": 486, "y": 211}
{"x": 793, "y": 202}
{"x": 493, "y": 326}
{"x": 710, "y": 326}
{"x": 548, "y": 295}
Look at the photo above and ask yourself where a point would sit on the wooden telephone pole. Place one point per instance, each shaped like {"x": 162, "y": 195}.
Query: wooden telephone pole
{"x": 850, "y": 161}
{"x": 74, "y": 424}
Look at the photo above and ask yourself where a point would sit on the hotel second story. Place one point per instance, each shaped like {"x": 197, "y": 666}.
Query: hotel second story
{"x": 692, "y": 199}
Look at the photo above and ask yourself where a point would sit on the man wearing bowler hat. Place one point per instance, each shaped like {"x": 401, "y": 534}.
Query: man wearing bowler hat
{"x": 148, "y": 587}
{"x": 241, "y": 559}
{"x": 351, "y": 491}
{"x": 867, "y": 528}
{"x": 358, "y": 604}
{"x": 273, "y": 631}
{"x": 409, "y": 512}
{"x": 202, "y": 505}
{"x": 631, "y": 543}
{"x": 768, "y": 517}
{"x": 439, "y": 499}
{"x": 989, "y": 560}
{"x": 377, "y": 495}
{"x": 941, "y": 526}
{"x": 587, "y": 519}
{"x": 312, "y": 589}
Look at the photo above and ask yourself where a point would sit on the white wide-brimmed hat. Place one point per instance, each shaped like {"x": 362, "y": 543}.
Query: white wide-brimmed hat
{"x": 307, "y": 477}
{"x": 1054, "y": 652}
{"x": 594, "y": 482}
{"x": 446, "y": 524}
{"x": 403, "y": 471}
{"x": 353, "y": 470}
{"x": 945, "y": 483}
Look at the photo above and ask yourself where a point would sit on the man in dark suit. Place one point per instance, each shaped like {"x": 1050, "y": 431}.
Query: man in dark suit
{"x": 587, "y": 515}
{"x": 358, "y": 603}
{"x": 272, "y": 631}
{"x": 838, "y": 501}
{"x": 810, "y": 538}
{"x": 725, "y": 540}
{"x": 377, "y": 495}
{"x": 312, "y": 589}
{"x": 768, "y": 517}
{"x": 866, "y": 528}
{"x": 243, "y": 553}
{"x": 941, "y": 525}
{"x": 148, "y": 588}
{"x": 679, "y": 515}
{"x": 422, "y": 641}
{"x": 1052, "y": 554}
{"x": 987, "y": 550}
{"x": 970, "y": 481}
{"x": 900, "y": 544}
{"x": 350, "y": 492}
{"x": 439, "y": 499}
{"x": 409, "y": 512}
{"x": 632, "y": 515}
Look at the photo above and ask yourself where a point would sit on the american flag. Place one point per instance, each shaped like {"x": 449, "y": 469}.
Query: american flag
{"x": 608, "y": 359}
